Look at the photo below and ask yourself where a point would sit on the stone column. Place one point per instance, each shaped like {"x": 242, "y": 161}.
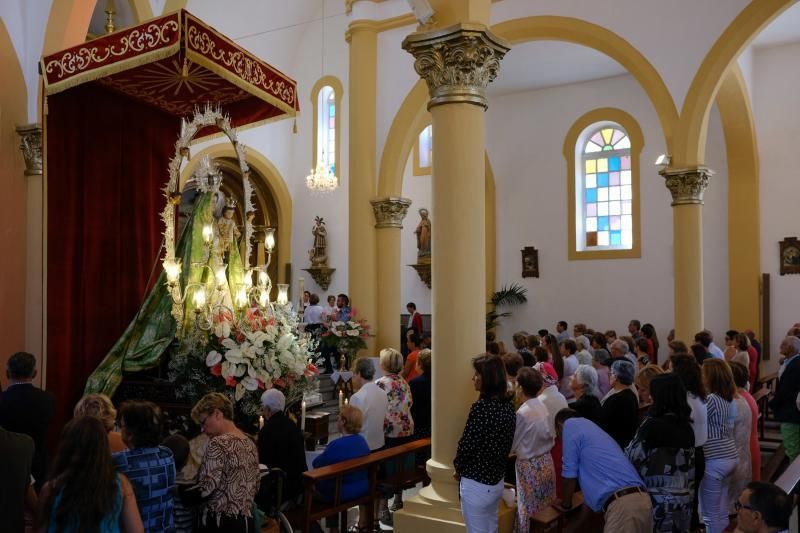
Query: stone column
{"x": 457, "y": 62}
{"x": 362, "y": 269}
{"x": 389, "y": 215}
{"x": 31, "y": 147}
{"x": 687, "y": 186}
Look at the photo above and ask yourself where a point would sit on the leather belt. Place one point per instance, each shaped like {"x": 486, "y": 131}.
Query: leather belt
{"x": 620, "y": 493}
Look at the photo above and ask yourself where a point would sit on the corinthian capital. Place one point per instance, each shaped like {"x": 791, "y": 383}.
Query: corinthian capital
{"x": 687, "y": 184}
{"x": 457, "y": 62}
{"x": 390, "y": 212}
{"x": 31, "y": 146}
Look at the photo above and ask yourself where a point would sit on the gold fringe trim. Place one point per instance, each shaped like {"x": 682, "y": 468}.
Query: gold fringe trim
{"x": 105, "y": 71}
{"x": 246, "y": 86}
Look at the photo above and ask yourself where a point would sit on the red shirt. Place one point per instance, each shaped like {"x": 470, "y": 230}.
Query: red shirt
{"x": 412, "y": 358}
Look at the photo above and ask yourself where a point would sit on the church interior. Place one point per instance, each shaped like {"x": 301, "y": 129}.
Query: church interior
{"x": 179, "y": 169}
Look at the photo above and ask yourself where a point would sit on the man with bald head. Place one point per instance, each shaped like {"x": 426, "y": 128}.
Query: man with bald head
{"x": 784, "y": 403}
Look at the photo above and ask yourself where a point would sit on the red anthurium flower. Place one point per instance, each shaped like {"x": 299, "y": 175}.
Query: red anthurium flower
{"x": 279, "y": 383}
{"x": 216, "y": 370}
{"x": 230, "y": 381}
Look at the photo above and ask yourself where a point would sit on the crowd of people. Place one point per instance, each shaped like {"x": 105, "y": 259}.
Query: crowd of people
{"x": 655, "y": 444}
{"x": 117, "y": 470}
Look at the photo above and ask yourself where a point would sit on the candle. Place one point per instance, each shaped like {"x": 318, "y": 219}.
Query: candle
{"x": 260, "y": 422}
{"x": 208, "y": 233}
{"x": 345, "y": 401}
{"x": 301, "y": 282}
{"x": 303, "y": 415}
{"x": 341, "y": 399}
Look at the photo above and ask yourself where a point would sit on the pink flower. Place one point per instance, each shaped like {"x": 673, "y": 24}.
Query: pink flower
{"x": 279, "y": 383}
{"x": 261, "y": 384}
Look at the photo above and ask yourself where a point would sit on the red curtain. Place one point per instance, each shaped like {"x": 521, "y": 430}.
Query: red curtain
{"x": 107, "y": 158}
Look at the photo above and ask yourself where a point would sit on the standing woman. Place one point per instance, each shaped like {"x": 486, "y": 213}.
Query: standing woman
{"x": 649, "y": 333}
{"x": 85, "y": 493}
{"x": 550, "y": 344}
{"x": 720, "y": 448}
{"x": 663, "y": 453}
{"x": 686, "y": 368}
{"x": 533, "y": 439}
{"x": 743, "y": 429}
{"x": 398, "y": 425}
{"x": 228, "y": 477}
{"x": 740, "y": 377}
{"x": 480, "y": 461}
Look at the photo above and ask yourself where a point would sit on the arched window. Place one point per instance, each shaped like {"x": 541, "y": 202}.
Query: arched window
{"x": 604, "y": 191}
{"x": 326, "y": 127}
{"x": 326, "y": 96}
{"x": 423, "y": 152}
{"x": 607, "y": 190}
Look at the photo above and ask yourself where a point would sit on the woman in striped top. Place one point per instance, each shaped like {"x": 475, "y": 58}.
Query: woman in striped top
{"x": 720, "y": 448}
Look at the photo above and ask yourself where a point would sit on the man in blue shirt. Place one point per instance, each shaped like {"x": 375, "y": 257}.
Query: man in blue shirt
{"x": 609, "y": 482}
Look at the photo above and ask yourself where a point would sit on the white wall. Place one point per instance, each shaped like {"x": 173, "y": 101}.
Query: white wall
{"x": 525, "y": 135}
{"x": 776, "y": 76}
{"x": 418, "y": 190}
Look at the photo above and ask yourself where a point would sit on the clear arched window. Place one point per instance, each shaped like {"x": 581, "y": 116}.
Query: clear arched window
{"x": 423, "y": 152}
{"x": 326, "y": 127}
{"x": 605, "y": 210}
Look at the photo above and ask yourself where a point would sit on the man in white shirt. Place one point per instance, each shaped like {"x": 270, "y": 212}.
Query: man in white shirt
{"x": 313, "y": 313}
{"x": 372, "y": 401}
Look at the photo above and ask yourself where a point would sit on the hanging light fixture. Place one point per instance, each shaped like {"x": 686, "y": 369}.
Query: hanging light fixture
{"x": 322, "y": 179}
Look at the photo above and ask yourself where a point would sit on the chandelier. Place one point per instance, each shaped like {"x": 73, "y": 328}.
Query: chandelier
{"x": 321, "y": 179}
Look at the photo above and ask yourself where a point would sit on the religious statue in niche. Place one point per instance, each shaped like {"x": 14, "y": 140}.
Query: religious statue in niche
{"x": 318, "y": 255}
{"x": 790, "y": 256}
{"x": 423, "y": 233}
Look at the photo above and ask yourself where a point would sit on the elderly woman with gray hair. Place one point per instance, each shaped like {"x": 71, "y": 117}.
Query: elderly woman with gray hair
{"x": 620, "y": 405}
{"x": 584, "y": 386}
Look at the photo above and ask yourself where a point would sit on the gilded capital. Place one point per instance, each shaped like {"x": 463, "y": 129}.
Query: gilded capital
{"x": 457, "y": 62}
{"x": 390, "y": 211}
{"x": 31, "y": 146}
{"x": 687, "y": 184}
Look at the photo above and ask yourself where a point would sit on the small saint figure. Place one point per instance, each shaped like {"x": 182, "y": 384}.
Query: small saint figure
{"x": 423, "y": 233}
{"x": 319, "y": 254}
{"x": 226, "y": 228}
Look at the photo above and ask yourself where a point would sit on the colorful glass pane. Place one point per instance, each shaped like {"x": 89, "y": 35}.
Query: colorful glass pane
{"x": 607, "y": 192}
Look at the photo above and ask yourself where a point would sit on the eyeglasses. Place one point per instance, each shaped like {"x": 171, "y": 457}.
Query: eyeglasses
{"x": 203, "y": 420}
{"x": 738, "y": 506}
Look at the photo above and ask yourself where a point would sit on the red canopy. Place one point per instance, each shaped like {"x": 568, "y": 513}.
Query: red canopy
{"x": 173, "y": 63}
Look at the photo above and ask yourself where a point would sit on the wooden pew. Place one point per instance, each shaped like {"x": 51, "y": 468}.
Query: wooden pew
{"x": 762, "y": 400}
{"x": 551, "y": 520}
{"x": 313, "y": 510}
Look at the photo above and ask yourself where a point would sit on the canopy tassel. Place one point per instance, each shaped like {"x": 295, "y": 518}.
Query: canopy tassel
{"x": 294, "y": 126}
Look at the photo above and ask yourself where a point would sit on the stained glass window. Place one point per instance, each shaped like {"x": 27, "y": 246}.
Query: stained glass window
{"x": 326, "y": 127}
{"x": 605, "y": 204}
{"x": 425, "y": 148}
